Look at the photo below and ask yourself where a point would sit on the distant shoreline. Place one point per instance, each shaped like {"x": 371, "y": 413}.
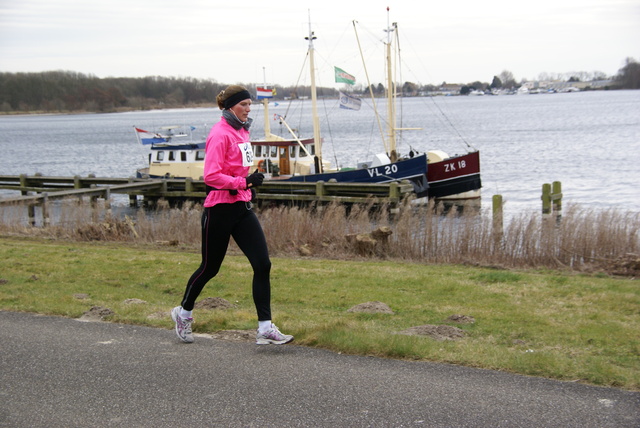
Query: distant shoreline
{"x": 119, "y": 110}
{"x": 210, "y": 105}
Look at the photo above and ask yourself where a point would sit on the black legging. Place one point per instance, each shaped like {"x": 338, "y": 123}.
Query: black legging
{"x": 219, "y": 223}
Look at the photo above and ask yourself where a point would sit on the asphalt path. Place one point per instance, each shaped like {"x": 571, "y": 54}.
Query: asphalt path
{"x": 61, "y": 372}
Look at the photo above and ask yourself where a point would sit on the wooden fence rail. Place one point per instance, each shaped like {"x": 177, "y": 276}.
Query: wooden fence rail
{"x": 39, "y": 190}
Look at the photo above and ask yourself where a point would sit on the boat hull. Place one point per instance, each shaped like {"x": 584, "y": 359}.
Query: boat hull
{"x": 457, "y": 177}
{"x": 413, "y": 169}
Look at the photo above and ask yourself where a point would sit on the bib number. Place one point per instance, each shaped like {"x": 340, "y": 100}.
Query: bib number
{"x": 247, "y": 154}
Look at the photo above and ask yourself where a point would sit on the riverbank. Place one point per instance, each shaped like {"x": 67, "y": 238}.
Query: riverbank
{"x": 114, "y": 110}
{"x": 553, "y": 324}
{"x": 581, "y": 240}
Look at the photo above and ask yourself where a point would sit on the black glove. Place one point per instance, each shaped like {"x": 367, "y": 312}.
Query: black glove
{"x": 255, "y": 179}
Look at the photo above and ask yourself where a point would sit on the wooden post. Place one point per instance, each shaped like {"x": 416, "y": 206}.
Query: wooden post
{"x": 107, "y": 200}
{"x": 394, "y": 190}
{"x": 133, "y": 199}
{"x": 77, "y": 185}
{"x": 188, "y": 184}
{"x": 94, "y": 199}
{"x": 394, "y": 198}
{"x": 546, "y": 199}
{"x": 31, "y": 208}
{"x": 45, "y": 210}
{"x": 551, "y": 205}
{"x": 320, "y": 189}
{"x": 557, "y": 199}
{"x": 552, "y": 200}
{"x": 23, "y": 184}
{"x": 498, "y": 229}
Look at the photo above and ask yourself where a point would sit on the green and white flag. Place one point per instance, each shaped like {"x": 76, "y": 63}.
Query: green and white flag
{"x": 344, "y": 77}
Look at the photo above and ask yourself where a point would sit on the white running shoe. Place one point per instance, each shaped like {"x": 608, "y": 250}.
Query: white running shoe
{"x": 183, "y": 325}
{"x": 273, "y": 337}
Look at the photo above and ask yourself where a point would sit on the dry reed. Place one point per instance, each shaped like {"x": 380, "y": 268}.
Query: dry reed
{"x": 583, "y": 240}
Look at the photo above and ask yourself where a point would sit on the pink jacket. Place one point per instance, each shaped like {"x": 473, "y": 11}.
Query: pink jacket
{"x": 227, "y": 162}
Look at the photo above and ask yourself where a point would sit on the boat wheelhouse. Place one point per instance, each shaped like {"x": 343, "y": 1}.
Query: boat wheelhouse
{"x": 173, "y": 153}
{"x": 283, "y": 158}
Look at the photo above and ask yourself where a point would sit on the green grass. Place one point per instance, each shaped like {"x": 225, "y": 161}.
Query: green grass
{"x": 546, "y": 323}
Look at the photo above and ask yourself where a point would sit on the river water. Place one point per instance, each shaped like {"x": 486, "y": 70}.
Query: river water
{"x": 590, "y": 141}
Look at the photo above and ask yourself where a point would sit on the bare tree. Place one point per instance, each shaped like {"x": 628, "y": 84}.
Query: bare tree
{"x": 629, "y": 75}
{"x": 507, "y": 79}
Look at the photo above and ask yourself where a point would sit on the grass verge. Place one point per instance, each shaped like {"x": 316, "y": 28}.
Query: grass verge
{"x": 553, "y": 324}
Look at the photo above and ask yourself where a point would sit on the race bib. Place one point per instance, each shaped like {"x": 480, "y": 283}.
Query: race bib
{"x": 247, "y": 153}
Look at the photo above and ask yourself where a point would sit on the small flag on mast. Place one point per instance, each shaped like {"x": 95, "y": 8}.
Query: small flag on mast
{"x": 263, "y": 93}
{"x": 146, "y": 137}
{"x": 344, "y": 77}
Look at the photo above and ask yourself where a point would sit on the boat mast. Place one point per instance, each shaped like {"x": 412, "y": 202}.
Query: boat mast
{"x": 391, "y": 95}
{"x": 265, "y": 104}
{"x": 314, "y": 101}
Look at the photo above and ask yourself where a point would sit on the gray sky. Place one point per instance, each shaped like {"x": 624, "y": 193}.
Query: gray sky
{"x": 457, "y": 41}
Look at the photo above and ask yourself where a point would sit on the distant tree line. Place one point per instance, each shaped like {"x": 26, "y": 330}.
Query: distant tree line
{"x": 67, "y": 91}
{"x": 60, "y": 91}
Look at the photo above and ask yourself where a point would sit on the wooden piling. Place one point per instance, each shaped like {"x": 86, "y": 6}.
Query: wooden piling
{"x": 94, "y": 198}
{"x": 498, "y": 220}
{"x": 546, "y": 199}
{"x": 393, "y": 190}
{"x": 551, "y": 209}
{"x": 552, "y": 200}
{"x": 556, "y": 197}
{"x": 23, "y": 184}
{"x": 31, "y": 209}
{"x": 107, "y": 200}
{"x": 46, "y": 220}
{"x": 133, "y": 198}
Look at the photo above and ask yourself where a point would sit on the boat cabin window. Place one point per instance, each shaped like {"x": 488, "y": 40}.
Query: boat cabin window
{"x": 292, "y": 152}
{"x": 183, "y": 156}
{"x": 200, "y": 155}
{"x": 172, "y": 156}
{"x": 160, "y": 156}
{"x": 257, "y": 151}
{"x": 302, "y": 153}
{"x": 312, "y": 149}
{"x": 274, "y": 151}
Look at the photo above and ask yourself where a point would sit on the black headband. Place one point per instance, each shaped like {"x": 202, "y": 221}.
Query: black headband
{"x": 236, "y": 98}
